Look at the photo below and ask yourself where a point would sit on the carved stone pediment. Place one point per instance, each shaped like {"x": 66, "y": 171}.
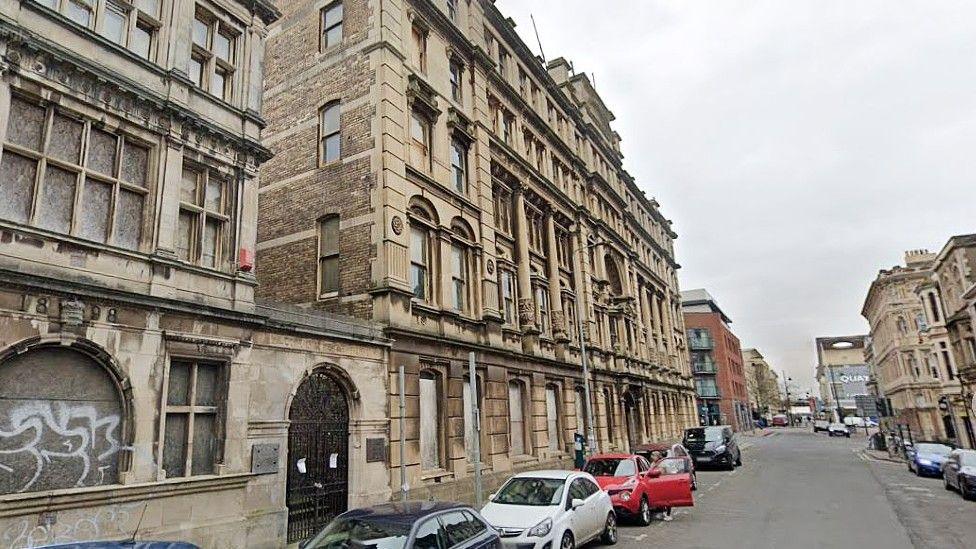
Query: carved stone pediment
{"x": 422, "y": 97}
{"x": 460, "y": 124}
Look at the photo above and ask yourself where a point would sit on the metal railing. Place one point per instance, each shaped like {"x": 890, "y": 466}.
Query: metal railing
{"x": 703, "y": 367}
{"x": 701, "y": 342}
{"x": 708, "y": 392}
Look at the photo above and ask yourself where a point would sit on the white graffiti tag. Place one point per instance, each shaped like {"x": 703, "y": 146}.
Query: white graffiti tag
{"x": 75, "y": 439}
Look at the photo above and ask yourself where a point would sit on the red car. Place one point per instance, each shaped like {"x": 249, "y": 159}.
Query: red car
{"x": 670, "y": 451}
{"x": 636, "y": 489}
{"x": 780, "y": 421}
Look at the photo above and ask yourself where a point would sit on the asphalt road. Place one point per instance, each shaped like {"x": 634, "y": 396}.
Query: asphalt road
{"x": 799, "y": 490}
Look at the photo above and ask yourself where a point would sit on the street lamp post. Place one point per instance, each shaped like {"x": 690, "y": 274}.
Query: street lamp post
{"x": 786, "y": 385}
{"x": 590, "y": 428}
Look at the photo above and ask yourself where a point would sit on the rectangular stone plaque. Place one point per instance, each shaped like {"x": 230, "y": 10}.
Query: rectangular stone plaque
{"x": 264, "y": 458}
{"x": 375, "y": 450}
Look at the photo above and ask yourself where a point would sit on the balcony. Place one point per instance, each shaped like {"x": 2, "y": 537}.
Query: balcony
{"x": 701, "y": 343}
{"x": 704, "y": 366}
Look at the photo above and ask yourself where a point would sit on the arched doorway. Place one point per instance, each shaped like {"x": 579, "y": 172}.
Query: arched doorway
{"x": 318, "y": 455}
{"x": 61, "y": 421}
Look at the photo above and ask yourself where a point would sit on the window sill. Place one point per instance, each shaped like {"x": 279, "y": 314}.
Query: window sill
{"x": 435, "y": 475}
{"x": 523, "y": 458}
{"x": 331, "y": 296}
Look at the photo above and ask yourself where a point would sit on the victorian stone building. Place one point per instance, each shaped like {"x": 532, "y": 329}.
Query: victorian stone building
{"x": 762, "y": 384}
{"x": 143, "y": 391}
{"x": 909, "y": 354}
{"x": 433, "y": 175}
{"x": 949, "y": 300}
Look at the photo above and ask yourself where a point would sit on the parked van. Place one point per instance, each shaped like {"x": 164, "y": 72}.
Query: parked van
{"x": 854, "y": 421}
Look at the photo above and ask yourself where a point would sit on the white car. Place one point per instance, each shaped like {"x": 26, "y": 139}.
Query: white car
{"x": 556, "y": 509}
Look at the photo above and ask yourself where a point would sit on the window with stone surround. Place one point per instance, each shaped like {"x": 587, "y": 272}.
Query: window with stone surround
{"x": 503, "y": 210}
{"x": 508, "y": 296}
{"x": 552, "y": 417}
{"x": 420, "y": 141}
{"x": 329, "y": 256}
{"x": 422, "y": 227}
{"x": 419, "y": 40}
{"x": 66, "y": 174}
{"x": 518, "y": 439}
{"x": 431, "y": 431}
{"x": 204, "y": 231}
{"x": 330, "y": 133}
{"x": 459, "y": 265}
{"x": 213, "y": 61}
{"x": 131, "y": 25}
{"x": 192, "y": 420}
{"x": 456, "y": 75}
{"x": 330, "y": 23}
{"x": 459, "y": 165}
{"x": 542, "y": 309}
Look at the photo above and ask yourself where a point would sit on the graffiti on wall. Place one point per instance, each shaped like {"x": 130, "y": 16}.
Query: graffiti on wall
{"x": 48, "y": 444}
{"x": 112, "y": 522}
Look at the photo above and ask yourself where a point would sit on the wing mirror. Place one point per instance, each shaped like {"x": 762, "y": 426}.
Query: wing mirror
{"x": 654, "y": 473}
{"x": 576, "y": 503}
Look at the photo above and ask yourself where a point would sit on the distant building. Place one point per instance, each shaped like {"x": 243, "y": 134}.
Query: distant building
{"x": 908, "y": 367}
{"x": 716, "y": 362}
{"x": 842, "y": 373}
{"x": 762, "y": 384}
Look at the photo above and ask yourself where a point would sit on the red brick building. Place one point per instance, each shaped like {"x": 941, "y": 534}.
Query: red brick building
{"x": 716, "y": 362}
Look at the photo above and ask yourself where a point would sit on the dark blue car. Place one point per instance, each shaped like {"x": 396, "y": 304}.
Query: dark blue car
{"x": 926, "y": 458}
{"x": 409, "y": 524}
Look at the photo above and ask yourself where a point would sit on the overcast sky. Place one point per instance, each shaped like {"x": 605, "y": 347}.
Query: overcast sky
{"x": 798, "y": 146}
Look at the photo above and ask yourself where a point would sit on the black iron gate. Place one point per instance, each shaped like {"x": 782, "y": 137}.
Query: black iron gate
{"x": 318, "y": 451}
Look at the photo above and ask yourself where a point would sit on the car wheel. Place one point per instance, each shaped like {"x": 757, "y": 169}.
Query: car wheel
{"x": 738, "y": 460}
{"x": 644, "y": 513}
{"x": 968, "y": 492}
{"x": 945, "y": 482}
{"x": 567, "y": 542}
{"x": 609, "y": 536}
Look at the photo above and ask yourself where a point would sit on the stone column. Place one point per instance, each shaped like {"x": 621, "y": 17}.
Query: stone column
{"x": 658, "y": 326}
{"x": 170, "y": 176}
{"x": 443, "y": 259}
{"x": 555, "y": 283}
{"x": 525, "y": 303}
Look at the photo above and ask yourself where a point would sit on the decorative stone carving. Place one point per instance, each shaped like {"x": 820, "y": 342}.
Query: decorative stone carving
{"x": 526, "y": 311}
{"x": 490, "y": 266}
{"x": 72, "y": 312}
{"x": 397, "y": 225}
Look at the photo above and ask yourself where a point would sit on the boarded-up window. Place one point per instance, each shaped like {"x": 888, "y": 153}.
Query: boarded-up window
{"x": 61, "y": 423}
{"x": 329, "y": 256}
{"x": 192, "y": 433}
{"x": 430, "y": 424}
{"x": 203, "y": 234}
{"x": 516, "y": 418}
{"x": 101, "y": 197}
{"x": 552, "y": 417}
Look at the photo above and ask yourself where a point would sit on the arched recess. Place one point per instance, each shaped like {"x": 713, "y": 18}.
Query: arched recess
{"x": 318, "y": 450}
{"x": 65, "y": 416}
{"x": 613, "y": 275}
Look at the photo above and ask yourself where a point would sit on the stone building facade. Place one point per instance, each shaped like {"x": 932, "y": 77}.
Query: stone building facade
{"x": 907, "y": 359}
{"x": 950, "y": 306}
{"x": 143, "y": 391}
{"x": 762, "y": 383}
{"x": 432, "y": 175}
{"x": 716, "y": 362}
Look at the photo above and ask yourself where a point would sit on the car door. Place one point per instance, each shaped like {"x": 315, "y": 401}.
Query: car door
{"x": 429, "y": 535}
{"x": 577, "y": 519}
{"x": 595, "y": 510}
{"x": 669, "y": 484}
{"x": 463, "y": 530}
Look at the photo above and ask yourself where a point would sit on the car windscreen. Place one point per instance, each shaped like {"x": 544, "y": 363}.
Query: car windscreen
{"x": 706, "y": 434}
{"x": 611, "y": 467}
{"x": 937, "y": 449}
{"x": 362, "y": 532}
{"x": 531, "y": 491}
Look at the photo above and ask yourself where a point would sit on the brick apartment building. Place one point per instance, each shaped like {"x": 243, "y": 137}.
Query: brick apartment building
{"x": 716, "y": 362}
{"x": 433, "y": 175}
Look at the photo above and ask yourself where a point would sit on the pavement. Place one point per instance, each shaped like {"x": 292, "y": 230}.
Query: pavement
{"x": 801, "y": 490}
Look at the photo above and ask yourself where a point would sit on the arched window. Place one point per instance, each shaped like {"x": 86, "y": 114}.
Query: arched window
{"x": 460, "y": 266}
{"x": 518, "y": 435}
{"x": 329, "y": 133}
{"x": 431, "y": 432}
{"x": 613, "y": 275}
{"x": 423, "y": 221}
{"x": 64, "y": 433}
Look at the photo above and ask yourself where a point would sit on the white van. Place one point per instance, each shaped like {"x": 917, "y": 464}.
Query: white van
{"x": 854, "y": 421}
